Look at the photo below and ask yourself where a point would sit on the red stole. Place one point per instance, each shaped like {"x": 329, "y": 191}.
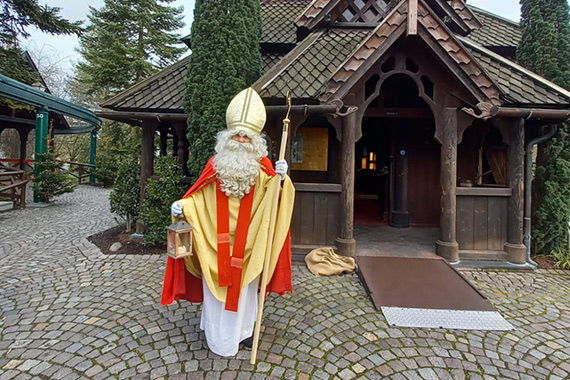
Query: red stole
{"x": 230, "y": 267}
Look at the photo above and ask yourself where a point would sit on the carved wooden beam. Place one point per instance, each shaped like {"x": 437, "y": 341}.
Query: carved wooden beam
{"x": 412, "y": 17}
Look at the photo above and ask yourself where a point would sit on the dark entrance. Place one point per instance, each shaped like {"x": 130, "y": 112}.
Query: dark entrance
{"x": 397, "y": 162}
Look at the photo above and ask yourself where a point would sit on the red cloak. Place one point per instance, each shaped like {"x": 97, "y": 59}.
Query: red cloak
{"x": 179, "y": 284}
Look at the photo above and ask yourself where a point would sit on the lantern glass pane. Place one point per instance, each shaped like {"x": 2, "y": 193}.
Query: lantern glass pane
{"x": 171, "y": 242}
{"x": 185, "y": 239}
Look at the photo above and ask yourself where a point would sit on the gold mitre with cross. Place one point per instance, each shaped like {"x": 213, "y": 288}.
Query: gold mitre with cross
{"x": 246, "y": 112}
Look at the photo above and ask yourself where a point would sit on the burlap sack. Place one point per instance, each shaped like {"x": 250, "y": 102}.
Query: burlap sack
{"x": 324, "y": 262}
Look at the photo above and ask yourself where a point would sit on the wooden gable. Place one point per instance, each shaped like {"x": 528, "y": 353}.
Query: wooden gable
{"x": 339, "y": 12}
{"x": 432, "y": 31}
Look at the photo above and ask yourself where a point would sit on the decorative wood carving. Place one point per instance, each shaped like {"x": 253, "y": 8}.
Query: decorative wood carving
{"x": 336, "y": 118}
{"x": 484, "y": 108}
{"x": 464, "y": 121}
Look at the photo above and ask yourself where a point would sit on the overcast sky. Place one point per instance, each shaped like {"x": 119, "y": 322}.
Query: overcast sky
{"x": 63, "y": 47}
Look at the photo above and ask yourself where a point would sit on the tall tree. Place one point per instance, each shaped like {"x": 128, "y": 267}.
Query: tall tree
{"x": 15, "y": 17}
{"x": 545, "y": 49}
{"x": 126, "y": 41}
{"x": 225, "y": 59}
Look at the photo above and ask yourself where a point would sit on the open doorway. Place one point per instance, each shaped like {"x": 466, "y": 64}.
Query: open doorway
{"x": 397, "y": 160}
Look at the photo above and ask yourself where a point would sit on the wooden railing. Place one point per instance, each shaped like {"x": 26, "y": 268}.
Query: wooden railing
{"x": 13, "y": 185}
{"x": 80, "y": 170}
{"x": 77, "y": 169}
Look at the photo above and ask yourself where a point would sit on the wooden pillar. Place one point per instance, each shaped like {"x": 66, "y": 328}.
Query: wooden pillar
{"x": 174, "y": 142}
{"x": 399, "y": 214}
{"x": 147, "y": 160}
{"x": 446, "y": 133}
{"x": 163, "y": 128}
{"x": 345, "y": 242}
{"x": 181, "y": 149}
{"x": 24, "y": 133}
{"x": 515, "y": 167}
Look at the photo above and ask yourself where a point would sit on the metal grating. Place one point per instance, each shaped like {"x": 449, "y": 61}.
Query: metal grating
{"x": 445, "y": 319}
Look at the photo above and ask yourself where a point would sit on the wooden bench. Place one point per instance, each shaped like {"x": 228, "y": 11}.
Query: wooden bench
{"x": 13, "y": 186}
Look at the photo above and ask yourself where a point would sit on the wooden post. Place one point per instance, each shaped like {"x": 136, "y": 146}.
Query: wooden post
{"x": 24, "y": 133}
{"x": 345, "y": 242}
{"x": 147, "y": 159}
{"x": 399, "y": 214}
{"x": 446, "y": 133}
{"x": 181, "y": 148}
{"x": 515, "y": 167}
{"x": 163, "y": 128}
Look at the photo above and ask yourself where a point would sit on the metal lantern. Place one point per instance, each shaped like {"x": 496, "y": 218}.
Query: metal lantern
{"x": 179, "y": 239}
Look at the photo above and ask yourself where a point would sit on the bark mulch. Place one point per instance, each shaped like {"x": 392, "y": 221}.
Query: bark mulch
{"x": 104, "y": 240}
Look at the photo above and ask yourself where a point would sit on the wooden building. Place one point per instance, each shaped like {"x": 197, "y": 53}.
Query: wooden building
{"x": 412, "y": 110}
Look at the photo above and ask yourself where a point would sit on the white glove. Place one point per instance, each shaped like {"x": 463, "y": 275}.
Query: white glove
{"x": 176, "y": 209}
{"x": 281, "y": 168}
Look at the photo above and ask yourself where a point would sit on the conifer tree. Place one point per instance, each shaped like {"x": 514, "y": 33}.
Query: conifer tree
{"x": 126, "y": 41}
{"x": 545, "y": 49}
{"x": 15, "y": 17}
{"x": 225, "y": 59}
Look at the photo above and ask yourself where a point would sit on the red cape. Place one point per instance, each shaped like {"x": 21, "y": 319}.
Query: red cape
{"x": 179, "y": 284}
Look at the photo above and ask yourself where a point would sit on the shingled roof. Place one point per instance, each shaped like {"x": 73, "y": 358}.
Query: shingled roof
{"x": 315, "y": 65}
{"x": 164, "y": 90}
{"x": 518, "y": 85}
{"x": 277, "y": 18}
{"x": 306, "y": 69}
{"x": 496, "y": 30}
{"x": 309, "y": 71}
{"x": 465, "y": 13}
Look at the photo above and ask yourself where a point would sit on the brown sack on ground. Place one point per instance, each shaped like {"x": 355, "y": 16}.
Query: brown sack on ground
{"x": 324, "y": 262}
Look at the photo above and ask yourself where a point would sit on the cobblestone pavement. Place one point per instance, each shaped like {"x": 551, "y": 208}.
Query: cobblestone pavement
{"x": 69, "y": 312}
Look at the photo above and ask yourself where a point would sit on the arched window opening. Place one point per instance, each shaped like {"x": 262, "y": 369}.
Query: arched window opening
{"x": 428, "y": 86}
{"x": 412, "y": 66}
{"x": 370, "y": 86}
{"x": 389, "y": 65}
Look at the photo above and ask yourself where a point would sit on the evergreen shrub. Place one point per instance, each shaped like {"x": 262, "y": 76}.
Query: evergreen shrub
{"x": 124, "y": 198}
{"x": 544, "y": 48}
{"x": 161, "y": 192}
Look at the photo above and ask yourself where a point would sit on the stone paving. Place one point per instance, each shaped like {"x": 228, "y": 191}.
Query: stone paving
{"x": 69, "y": 312}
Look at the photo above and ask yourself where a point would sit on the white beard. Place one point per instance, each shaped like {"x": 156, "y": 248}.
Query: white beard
{"x": 237, "y": 167}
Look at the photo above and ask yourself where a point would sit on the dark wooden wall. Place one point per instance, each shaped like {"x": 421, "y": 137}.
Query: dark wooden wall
{"x": 315, "y": 215}
{"x": 482, "y": 218}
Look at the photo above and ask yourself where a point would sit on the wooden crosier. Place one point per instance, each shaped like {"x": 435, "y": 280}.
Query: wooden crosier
{"x": 264, "y": 275}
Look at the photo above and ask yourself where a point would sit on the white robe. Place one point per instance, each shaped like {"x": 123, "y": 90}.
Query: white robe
{"x": 226, "y": 329}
